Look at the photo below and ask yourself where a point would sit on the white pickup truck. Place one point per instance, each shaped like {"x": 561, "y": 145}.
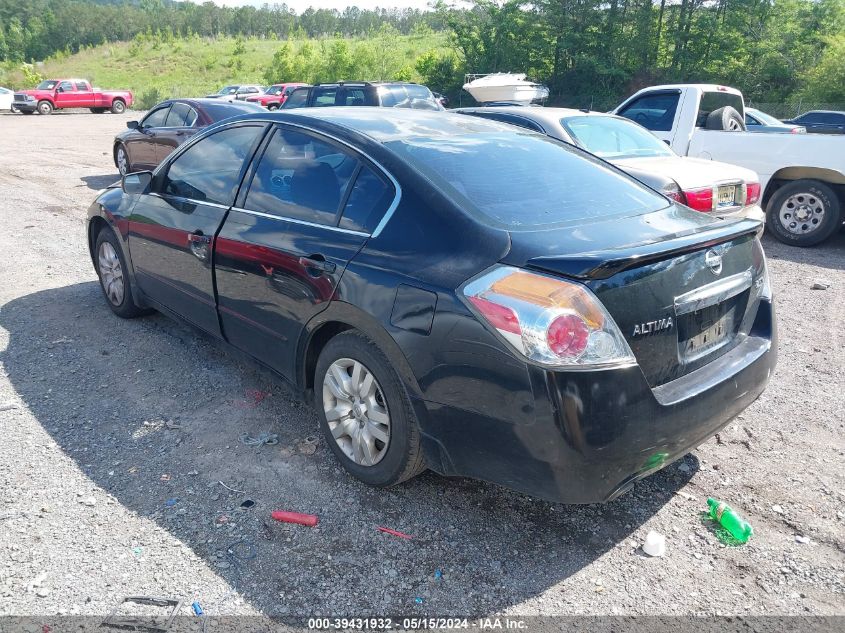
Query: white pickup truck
{"x": 802, "y": 175}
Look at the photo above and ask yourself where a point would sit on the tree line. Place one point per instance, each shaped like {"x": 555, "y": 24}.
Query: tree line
{"x": 589, "y": 52}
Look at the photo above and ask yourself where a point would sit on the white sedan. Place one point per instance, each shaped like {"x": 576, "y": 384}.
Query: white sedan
{"x": 6, "y": 96}
{"x": 704, "y": 185}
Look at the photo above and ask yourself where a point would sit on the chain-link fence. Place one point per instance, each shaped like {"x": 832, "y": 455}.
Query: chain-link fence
{"x": 793, "y": 109}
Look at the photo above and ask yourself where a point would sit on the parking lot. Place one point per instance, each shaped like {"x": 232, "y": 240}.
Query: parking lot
{"x": 122, "y": 471}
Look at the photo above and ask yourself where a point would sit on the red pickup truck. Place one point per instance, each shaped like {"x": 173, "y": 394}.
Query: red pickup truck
{"x": 55, "y": 94}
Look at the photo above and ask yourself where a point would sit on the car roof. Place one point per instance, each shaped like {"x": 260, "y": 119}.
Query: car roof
{"x": 541, "y": 114}
{"x": 383, "y": 125}
{"x": 821, "y": 112}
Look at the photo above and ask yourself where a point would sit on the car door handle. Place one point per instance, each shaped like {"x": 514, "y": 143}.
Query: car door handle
{"x": 318, "y": 262}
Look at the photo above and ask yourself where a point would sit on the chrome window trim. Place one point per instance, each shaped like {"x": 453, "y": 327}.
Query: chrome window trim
{"x": 283, "y": 218}
{"x": 170, "y": 196}
{"x": 713, "y": 293}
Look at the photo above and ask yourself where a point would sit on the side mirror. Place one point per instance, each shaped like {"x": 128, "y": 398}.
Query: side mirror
{"x": 136, "y": 183}
{"x": 132, "y": 125}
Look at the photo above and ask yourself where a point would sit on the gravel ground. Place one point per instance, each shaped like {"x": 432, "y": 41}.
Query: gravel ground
{"x": 117, "y": 434}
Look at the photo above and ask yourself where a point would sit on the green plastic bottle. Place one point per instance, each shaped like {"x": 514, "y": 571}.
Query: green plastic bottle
{"x": 725, "y": 516}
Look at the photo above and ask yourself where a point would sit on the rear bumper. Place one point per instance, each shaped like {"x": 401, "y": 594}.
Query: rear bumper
{"x": 754, "y": 212}
{"x": 593, "y": 434}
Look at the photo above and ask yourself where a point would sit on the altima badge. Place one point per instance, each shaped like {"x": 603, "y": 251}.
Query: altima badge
{"x": 713, "y": 261}
{"x": 653, "y": 327}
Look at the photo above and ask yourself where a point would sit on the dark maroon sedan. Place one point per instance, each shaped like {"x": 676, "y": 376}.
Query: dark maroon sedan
{"x": 166, "y": 126}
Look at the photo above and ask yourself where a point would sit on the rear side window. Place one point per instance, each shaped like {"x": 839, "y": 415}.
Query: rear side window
{"x": 324, "y": 97}
{"x": 354, "y": 97}
{"x": 82, "y": 86}
{"x": 156, "y": 118}
{"x": 210, "y": 170}
{"x": 302, "y": 177}
{"x": 524, "y": 181}
{"x": 711, "y": 101}
{"x": 370, "y": 197}
{"x": 655, "y": 111}
{"x": 181, "y": 115}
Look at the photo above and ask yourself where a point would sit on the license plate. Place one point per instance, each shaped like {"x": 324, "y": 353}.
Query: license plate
{"x": 713, "y": 325}
{"x": 726, "y": 196}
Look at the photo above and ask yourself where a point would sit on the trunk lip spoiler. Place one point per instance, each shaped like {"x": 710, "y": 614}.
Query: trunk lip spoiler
{"x": 602, "y": 264}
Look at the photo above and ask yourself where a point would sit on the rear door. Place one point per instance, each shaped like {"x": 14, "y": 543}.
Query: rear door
{"x": 172, "y": 228}
{"x": 84, "y": 95}
{"x": 307, "y": 208}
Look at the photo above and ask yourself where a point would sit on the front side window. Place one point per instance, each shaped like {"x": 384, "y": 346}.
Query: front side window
{"x": 66, "y": 86}
{"x": 297, "y": 99}
{"x": 274, "y": 90}
{"x": 524, "y": 181}
{"x": 654, "y": 111}
{"x": 302, "y": 177}
{"x": 210, "y": 170}
{"x": 611, "y": 138}
{"x": 181, "y": 115}
{"x": 156, "y": 118}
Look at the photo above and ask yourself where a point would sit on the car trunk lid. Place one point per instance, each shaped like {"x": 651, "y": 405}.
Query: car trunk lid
{"x": 683, "y": 288}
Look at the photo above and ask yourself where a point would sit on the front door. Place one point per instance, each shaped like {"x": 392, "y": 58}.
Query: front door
{"x": 141, "y": 144}
{"x": 178, "y": 127}
{"x": 66, "y": 95}
{"x": 172, "y": 228}
{"x": 279, "y": 257}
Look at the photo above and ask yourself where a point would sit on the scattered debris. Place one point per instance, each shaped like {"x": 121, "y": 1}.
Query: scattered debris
{"x": 387, "y": 530}
{"x": 9, "y": 406}
{"x": 246, "y": 504}
{"x": 655, "y": 544}
{"x": 171, "y": 502}
{"x": 438, "y": 575}
{"x": 147, "y": 623}
{"x": 418, "y": 600}
{"x": 802, "y": 539}
{"x": 820, "y": 284}
{"x": 222, "y": 519}
{"x": 197, "y": 609}
{"x": 254, "y": 397}
{"x": 193, "y": 473}
{"x": 684, "y": 467}
{"x": 686, "y": 495}
{"x": 173, "y": 426}
{"x": 777, "y": 508}
{"x": 308, "y": 446}
{"x": 132, "y": 470}
{"x": 232, "y": 489}
{"x": 138, "y": 551}
{"x": 88, "y": 501}
{"x": 36, "y": 582}
{"x": 165, "y": 477}
{"x": 261, "y": 440}
{"x": 309, "y": 520}
{"x": 285, "y": 451}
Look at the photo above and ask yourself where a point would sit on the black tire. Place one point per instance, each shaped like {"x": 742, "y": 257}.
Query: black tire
{"x": 125, "y": 308}
{"x": 118, "y": 106}
{"x": 813, "y": 199}
{"x": 45, "y": 107}
{"x": 403, "y": 458}
{"x": 726, "y": 119}
{"x": 273, "y": 106}
{"x": 13, "y": 109}
{"x": 127, "y": 166}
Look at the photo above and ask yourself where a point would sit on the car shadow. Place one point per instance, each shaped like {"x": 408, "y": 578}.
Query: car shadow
{"x": 152, "y": 413}
{"x": 829, "y": 254}
{"x": 100, "y": 182}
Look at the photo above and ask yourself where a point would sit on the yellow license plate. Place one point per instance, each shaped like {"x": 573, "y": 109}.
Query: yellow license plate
{"x": 727, "y": 196}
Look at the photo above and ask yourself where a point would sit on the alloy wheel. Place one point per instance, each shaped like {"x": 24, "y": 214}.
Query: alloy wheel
{"x": 111, "y": 273}
{"x": 801, "y": 213}
{"x": 356, "y": 411}
{"x": 122, "y": 162}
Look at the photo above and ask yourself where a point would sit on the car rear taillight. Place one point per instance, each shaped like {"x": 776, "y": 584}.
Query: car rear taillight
{"x": 674, "y": 192}
{"x": 752, "y": 193}
{"x": 552, "y": 322}
{"x": 700, "y": 199}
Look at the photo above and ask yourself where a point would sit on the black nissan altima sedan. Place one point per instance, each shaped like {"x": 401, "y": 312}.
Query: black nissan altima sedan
{"x": 451, "y": 293}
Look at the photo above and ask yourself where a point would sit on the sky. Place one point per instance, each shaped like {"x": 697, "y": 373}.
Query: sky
{"x": 300, "y": 5}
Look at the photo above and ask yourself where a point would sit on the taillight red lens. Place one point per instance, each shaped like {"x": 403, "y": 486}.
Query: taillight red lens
{"x": 674, "y": 192}
{"x": 700, "y": 199}
{"x": 752, "y": 193}
{"x": 499, "y": 316}
{"x": 567, "y": 336}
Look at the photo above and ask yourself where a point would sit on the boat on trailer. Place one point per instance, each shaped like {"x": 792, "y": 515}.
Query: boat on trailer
{"x": 504, "y": 87}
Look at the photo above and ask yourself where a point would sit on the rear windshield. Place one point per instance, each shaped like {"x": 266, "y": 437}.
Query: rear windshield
{"x": 612, "y": 138}
{"x": 525, "y": 181}
{"x": 711, "y": 101}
